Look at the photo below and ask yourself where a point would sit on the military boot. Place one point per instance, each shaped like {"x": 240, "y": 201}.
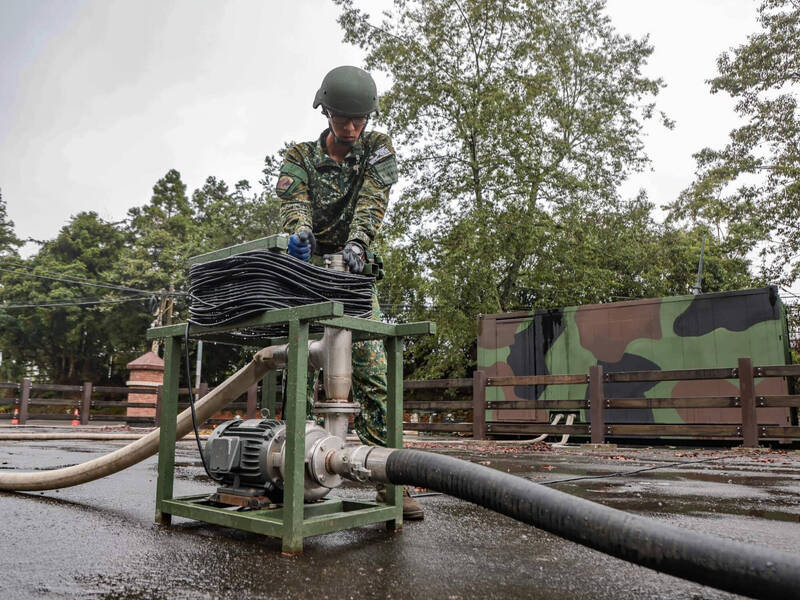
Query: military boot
{"x": 412, "y": 510}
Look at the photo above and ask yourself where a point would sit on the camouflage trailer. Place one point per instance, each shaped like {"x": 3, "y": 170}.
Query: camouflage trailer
{"x": 678, "y": 332}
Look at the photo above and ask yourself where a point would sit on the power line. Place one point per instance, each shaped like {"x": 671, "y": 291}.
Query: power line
{"x": 79, "y": 281}
{"x": 78, "y": 299}
{"x": 79, "y": 303}
{"x": 789, "y": 292}
{"x": 25, "y": 266}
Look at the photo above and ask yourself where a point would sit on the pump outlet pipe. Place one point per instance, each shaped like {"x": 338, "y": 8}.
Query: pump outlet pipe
{"x": 753, "y": 571}
{"x": 267, "y": 359}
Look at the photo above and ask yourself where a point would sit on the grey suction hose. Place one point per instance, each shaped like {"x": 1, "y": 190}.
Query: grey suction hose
{"x": 753, "y": 571}
{"x": 265, "y": 360}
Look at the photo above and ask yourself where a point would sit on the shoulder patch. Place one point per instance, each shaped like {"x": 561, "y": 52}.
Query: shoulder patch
{"x": 284, "y": 183}
{"x": 294, "y": 171}
{"x": 380, "y": 153}
{"x": 385, "y": 170}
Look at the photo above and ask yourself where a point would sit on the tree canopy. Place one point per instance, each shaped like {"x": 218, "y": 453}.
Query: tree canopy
{"x": 749, "y": 190}
{"x": 516, "y": 122}
{"x": 78, "y": 309}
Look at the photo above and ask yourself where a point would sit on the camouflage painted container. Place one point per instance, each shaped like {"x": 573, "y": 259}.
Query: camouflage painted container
{"x": 679, "y": 332}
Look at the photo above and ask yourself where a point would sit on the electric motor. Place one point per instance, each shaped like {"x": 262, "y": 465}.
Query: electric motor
{"x": 248, "y": 455}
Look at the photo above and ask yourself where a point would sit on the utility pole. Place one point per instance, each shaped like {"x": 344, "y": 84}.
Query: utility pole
{"x": 697, "y": 289}
{"x": 171, "y": 304}
{"x": 199, "y": 365}
{"x": 158, "y": 319}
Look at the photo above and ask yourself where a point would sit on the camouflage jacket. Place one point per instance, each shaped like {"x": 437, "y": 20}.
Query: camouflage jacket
{"x": 338, "y": 202}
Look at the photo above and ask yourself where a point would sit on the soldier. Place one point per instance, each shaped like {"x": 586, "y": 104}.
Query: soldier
{"x": 334, "y": 192}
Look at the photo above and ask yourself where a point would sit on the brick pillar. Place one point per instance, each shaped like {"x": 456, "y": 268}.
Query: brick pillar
{"x": 147, "y": 371}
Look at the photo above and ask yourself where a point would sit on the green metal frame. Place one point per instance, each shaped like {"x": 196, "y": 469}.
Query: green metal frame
{"x": 294, "y": 520}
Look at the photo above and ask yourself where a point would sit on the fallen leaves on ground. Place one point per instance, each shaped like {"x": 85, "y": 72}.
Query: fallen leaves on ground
{"x": 482, "y": 448}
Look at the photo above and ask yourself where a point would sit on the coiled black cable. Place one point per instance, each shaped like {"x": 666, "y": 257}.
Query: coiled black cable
{"x": 227, "y": 290}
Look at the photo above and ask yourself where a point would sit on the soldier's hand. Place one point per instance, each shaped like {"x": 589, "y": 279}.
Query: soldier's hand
{"x": 353, "y": 255}
{"x": 302, "y": 244}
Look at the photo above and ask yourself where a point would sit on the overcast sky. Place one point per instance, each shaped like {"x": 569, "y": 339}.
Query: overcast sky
{"x": 98, "y": 99}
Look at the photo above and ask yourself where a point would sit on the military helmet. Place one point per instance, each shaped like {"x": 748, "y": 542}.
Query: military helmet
{"x": 348, "y": 91}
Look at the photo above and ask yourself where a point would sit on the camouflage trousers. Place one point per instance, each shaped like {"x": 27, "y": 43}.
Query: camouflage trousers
{"x": 369, "y": 386}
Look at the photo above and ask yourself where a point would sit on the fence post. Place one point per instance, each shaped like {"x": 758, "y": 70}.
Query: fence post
{"x": 252, "y": 401}
{"x": 24, "y": 398}
{"x": 747, "y": 393}
{"x": 479, "y": 405}
{"x": 86, "y": 402}
{"x": 159, "y": 393}
{"x": 597, "y": 405}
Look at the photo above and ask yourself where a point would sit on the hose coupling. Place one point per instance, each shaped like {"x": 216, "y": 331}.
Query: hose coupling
{"x": 361, "y": 463}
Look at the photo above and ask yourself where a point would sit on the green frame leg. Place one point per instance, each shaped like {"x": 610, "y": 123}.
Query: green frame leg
{"x": 269, "y": 389}
{"x": 394, "y": 419}
{"x": 294, "y": 520}
{"x": 296, "y": 377}
{"x": 168, "y": 420}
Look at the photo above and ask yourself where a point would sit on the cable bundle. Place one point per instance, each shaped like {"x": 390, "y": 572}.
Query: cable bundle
{"x": 227, "y": 290}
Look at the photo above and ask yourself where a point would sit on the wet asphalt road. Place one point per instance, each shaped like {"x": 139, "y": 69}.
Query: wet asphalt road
{"x": 98, "y": 540}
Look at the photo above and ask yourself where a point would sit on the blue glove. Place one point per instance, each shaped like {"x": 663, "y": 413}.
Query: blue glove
{"x": 353, "y": 255}
{"x": 302, "y": 245}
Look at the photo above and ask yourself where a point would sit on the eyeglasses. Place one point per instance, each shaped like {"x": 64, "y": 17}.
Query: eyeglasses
{"x": 342, "y": 121}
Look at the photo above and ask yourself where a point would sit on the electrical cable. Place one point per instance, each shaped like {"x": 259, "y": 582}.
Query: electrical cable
{"x": 78, "y": 281}
{"x": 76, "y": 302}
{"x": 789, "y": 292}
{"x": 191, "y": 406}
{"x": 230, "y": 289}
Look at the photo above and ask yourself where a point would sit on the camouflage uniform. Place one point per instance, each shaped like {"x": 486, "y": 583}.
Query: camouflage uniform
{"x": 339, "y": 203}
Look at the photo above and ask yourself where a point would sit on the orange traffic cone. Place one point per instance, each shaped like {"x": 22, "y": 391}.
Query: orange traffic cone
{"x": 76, "y": 418}
{"x": 15, "y": 417}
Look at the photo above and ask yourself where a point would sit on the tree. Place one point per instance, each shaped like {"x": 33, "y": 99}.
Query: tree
{"x": 226, "y": 218}
{"x": 9, "y": 242}
{"x": 516, "y": 122}
{"x": 163, "y": 234}
{"x": 160, "y": 237}
{"x": 749, "y": 190}
{"x": 54, "y": 319}
{"x": 51, "y": 319}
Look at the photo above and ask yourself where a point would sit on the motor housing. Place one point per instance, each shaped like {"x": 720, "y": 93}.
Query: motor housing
{"x": 248, "y": 456}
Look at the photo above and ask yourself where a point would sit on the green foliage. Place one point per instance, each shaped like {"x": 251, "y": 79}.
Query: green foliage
{"x": 749, "y": 190}
{"x": 516, "y": 123}
{"x": 68, "y": 343}
{"x": 9, "y": 242}
{"x": 87, "y": 342}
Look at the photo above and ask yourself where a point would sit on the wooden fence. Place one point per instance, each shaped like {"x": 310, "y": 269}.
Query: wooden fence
{"x": 749, "y": 431}
{"x": 92, "y": 402}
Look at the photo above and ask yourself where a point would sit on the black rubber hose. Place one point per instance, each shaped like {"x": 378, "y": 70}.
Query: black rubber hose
{"x": 736, "y": 567}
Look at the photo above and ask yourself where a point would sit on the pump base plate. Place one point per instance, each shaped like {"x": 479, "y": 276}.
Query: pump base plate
{"x": 333, "y": 514}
